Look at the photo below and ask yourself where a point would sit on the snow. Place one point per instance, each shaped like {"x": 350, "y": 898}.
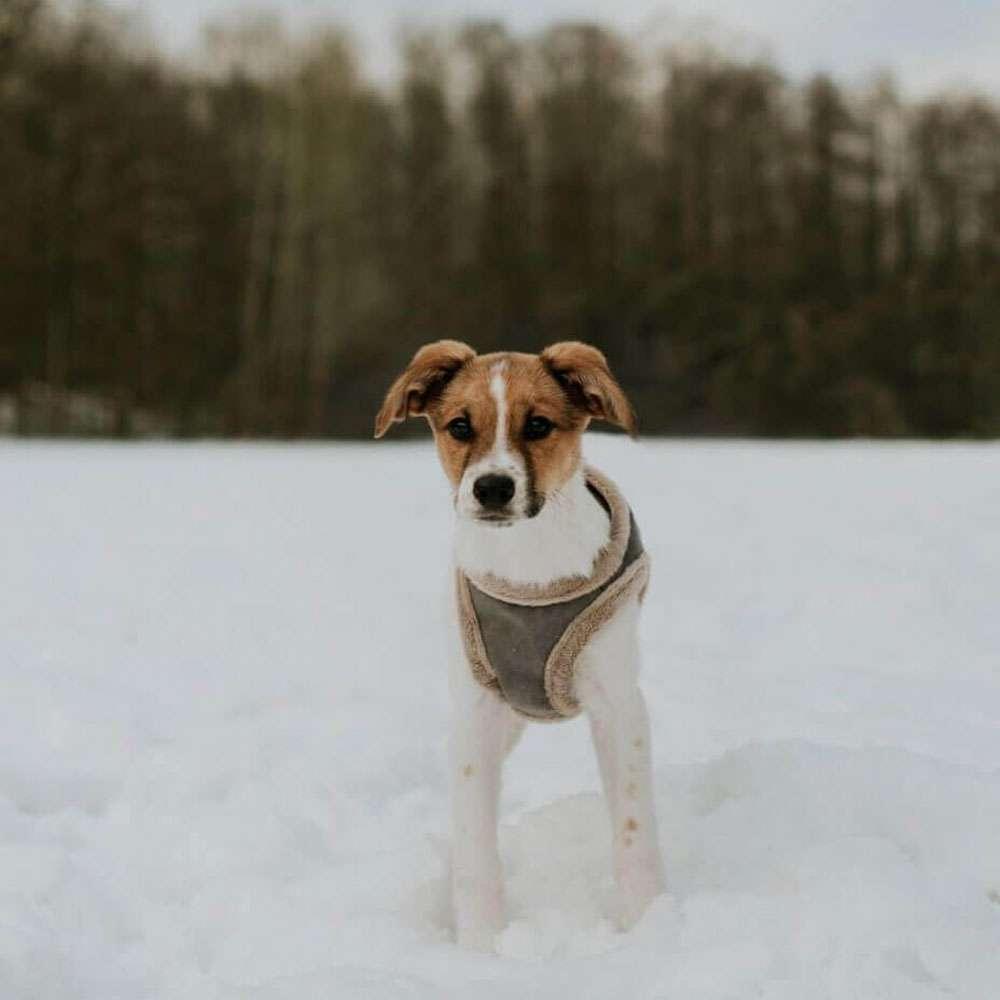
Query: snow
{"x": 223, "y": 731}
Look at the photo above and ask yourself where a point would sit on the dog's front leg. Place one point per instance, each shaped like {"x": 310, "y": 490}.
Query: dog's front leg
{"x": 608, "y": 688}
{"x": 483, "y": 729}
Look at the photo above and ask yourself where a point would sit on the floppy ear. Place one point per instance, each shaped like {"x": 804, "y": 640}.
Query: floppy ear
{"x": 430, "y": 370}
{"x": 583, "y": 372}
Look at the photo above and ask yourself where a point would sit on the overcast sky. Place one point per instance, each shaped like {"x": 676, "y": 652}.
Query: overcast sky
{"x": 929, "y": 44}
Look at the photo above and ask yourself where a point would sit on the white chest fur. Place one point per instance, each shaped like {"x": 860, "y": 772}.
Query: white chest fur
{"x": 563, "y": 540}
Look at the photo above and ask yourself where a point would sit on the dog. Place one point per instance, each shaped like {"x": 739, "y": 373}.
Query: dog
{"x": 549, "y": 579}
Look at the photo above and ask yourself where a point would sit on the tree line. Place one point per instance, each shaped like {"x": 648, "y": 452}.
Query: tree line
{"x": 254, "y": 243}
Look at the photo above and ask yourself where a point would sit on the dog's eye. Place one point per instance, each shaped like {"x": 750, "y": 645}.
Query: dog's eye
{"x": 460, "y": 429}
{"x": 537, "y": 428}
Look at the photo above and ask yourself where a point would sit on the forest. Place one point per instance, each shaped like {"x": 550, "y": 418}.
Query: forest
{"x": 252, "y": 243}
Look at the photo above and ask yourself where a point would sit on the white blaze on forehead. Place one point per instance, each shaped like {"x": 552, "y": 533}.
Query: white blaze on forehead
{"x": 498, "y": 390}
{"x": 500, "y": 458}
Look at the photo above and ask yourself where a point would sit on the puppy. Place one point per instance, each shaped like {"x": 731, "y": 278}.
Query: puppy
{"x": 549, "y": 577}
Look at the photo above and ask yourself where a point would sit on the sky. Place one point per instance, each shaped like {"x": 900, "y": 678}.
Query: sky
{"x": 929, "y": 45}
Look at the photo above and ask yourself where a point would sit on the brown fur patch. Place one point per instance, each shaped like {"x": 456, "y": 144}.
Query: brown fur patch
{"x": 584, "y": 373}
{"x": 530, "y": 391}
{"x": 568, "y": 383}
{"x": 431, "y": 368}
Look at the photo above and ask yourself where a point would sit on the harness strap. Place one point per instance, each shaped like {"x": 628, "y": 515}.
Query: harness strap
{"x": 535, "y": 644}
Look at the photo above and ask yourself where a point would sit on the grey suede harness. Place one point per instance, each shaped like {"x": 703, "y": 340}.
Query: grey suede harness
{"x": 523, "y": 641}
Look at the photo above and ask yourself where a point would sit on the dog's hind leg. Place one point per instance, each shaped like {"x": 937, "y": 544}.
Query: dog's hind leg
{"x": 608, "y": 689}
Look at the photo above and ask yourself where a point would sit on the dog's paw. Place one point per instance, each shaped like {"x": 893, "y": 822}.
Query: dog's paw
{"x": 638, "y": 886}
{"x": 479, "y": 918}
{"x": 632, "y": 909}
{"x": 479, "y": 937}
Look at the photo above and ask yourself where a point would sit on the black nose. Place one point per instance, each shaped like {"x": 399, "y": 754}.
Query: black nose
{"x": 493, "y": 491}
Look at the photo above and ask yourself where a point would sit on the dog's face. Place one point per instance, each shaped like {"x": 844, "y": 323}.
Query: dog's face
{"x": 507, "y": 426}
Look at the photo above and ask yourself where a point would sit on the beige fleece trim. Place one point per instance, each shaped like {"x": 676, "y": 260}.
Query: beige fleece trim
{"x": 607, "y": 563}
{"x": 559, "y": 668}
{"x": 472, "y": 638}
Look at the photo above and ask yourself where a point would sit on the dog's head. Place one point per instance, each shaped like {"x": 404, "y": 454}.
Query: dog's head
{"x": 507, "y": 426}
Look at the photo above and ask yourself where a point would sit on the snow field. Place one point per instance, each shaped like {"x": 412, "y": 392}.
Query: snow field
{"x": 223, "y": 731}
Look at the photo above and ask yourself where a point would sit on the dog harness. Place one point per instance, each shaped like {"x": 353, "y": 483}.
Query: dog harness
{"x": 523, "y": 640}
